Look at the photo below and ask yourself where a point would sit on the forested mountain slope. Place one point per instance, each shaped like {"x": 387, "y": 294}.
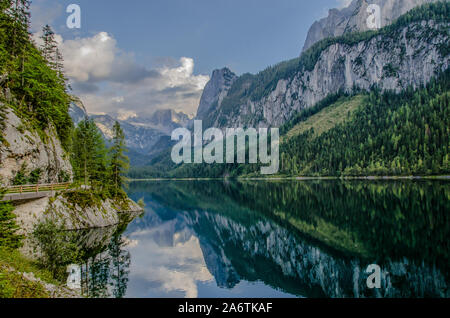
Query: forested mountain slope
{"x": 35, "y": 123}
{"x": 409, "y": 52}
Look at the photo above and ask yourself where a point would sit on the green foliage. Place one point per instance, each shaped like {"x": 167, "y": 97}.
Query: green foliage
{"x": 141, "y": 203}
{"x": 388, "y": 134}
{"x": 392, "y": 134}
{"x": 328, "y": 117}
{"x": 97, "y": 167}
{"x": 8, "y": 227}
{"x": 50, "y": 51}
{"x": 376, "y": 219}
{"x": 40, "y": 93}
{"x": 86, "y": 198}
{"x": 63, "y": 176}
{"x": 89, "y": 160}
{"x": 119, "y": 163}
{"x": 14, "y": 285}
{"x": 57, "y": 248}
{"x": 308, "y": 112}
{"x": 390, "y": 71}
{"x": 22, "y": 176}
{"x": 255, "y": 87}
{"x": 14, "y": 259}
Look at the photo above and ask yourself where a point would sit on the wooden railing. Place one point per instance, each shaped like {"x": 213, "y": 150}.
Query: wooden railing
{"x": 37, "y": 188}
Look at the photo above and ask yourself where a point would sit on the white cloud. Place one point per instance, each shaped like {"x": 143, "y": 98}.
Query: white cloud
{"x": 108, "y": 80}
{"x": 118, "y": 99}
{"x": 344, "y": 3}
{"x": 124, "y": 114}
{"x": 169, "y": 261}
{"x": 89, "y": 58}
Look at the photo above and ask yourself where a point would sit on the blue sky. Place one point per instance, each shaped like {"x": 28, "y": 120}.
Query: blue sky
{"x": 147, "y": 35}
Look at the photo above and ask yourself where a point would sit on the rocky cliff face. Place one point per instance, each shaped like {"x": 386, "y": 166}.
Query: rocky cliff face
{"x": 77, "y": 112}
{"x": 23, "y": 147}
{"x": 354, "y": 18}
{"x": 164, "y": 120}
{"x": 389, "y": 60}
{"x": 215, "y": 91}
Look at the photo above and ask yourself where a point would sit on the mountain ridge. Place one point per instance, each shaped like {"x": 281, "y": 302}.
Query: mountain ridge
{"x": 353, "y": 18}
{"x": 145, "y": 136}
{"x": 387, "y": 58}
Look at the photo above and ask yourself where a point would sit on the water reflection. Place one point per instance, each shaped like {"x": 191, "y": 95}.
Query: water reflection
{"x": 311, "y": 239}
{"x": 276, "y": 239}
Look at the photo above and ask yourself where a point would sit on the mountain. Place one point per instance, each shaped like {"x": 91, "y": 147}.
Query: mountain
{"x": 77, "y": 111}
{"x": 409, "y": 52}
{"x": 371, "y": 103}
{"x": 215, "y": 91}
{"x": 164, "y": 120}
{"x": 354, "y": 17}
{"x": 145, "y": 136}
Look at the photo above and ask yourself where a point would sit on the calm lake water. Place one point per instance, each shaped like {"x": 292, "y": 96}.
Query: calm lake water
{"x": 275, "y": 239}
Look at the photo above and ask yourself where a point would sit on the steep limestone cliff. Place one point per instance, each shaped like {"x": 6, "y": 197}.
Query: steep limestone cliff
{"x": 24, "y": 147}
{"x": 215, "y": 91}
{"x": 387, "y": 59}
{"x": 354, "y": 18}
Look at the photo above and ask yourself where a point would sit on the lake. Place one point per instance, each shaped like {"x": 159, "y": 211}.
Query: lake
{"x": 275, "y": 239}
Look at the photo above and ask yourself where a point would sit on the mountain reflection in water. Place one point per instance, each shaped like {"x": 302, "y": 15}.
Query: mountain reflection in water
{"x": 278, "y": 239}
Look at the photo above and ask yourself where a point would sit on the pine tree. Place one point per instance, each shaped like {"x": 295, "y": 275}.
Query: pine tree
{"x": 119, "y": 161}
{"x": 51, "y": 52}
{"x": 49, "y": 45}
{"x": 20, "y": 12}
{"x": 8, "y": 226}
{"x": 89, "y": 154}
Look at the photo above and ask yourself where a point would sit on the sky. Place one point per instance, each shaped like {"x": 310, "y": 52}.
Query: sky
{"x": 130, "y": 58}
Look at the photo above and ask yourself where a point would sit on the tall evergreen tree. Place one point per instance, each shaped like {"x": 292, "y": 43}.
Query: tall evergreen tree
{"x": 89, "y": 154}
{"x": 51, "y": 52}
{"x": 119, "y": 161}
{"x": 49, "y": 44}
{"x": 20, "y": 12}
{"x": 8, "y": 226}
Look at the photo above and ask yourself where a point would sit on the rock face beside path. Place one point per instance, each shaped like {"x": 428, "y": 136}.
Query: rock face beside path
{"x": 22, "y": 146}
{"x": 72, "y": 216}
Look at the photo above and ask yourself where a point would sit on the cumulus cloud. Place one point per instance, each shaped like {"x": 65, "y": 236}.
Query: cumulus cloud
{"x": 89, "y": 59}
{"x": 109, "y": 80}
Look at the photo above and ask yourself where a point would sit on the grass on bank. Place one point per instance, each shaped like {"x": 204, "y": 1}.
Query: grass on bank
{"x": 327, "y": 118}
{"x": 12, "y": 282}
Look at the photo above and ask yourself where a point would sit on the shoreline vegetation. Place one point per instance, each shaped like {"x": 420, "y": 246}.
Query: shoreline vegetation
{"x": 34, "y": 101}
{"x": 368, "y": 178}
